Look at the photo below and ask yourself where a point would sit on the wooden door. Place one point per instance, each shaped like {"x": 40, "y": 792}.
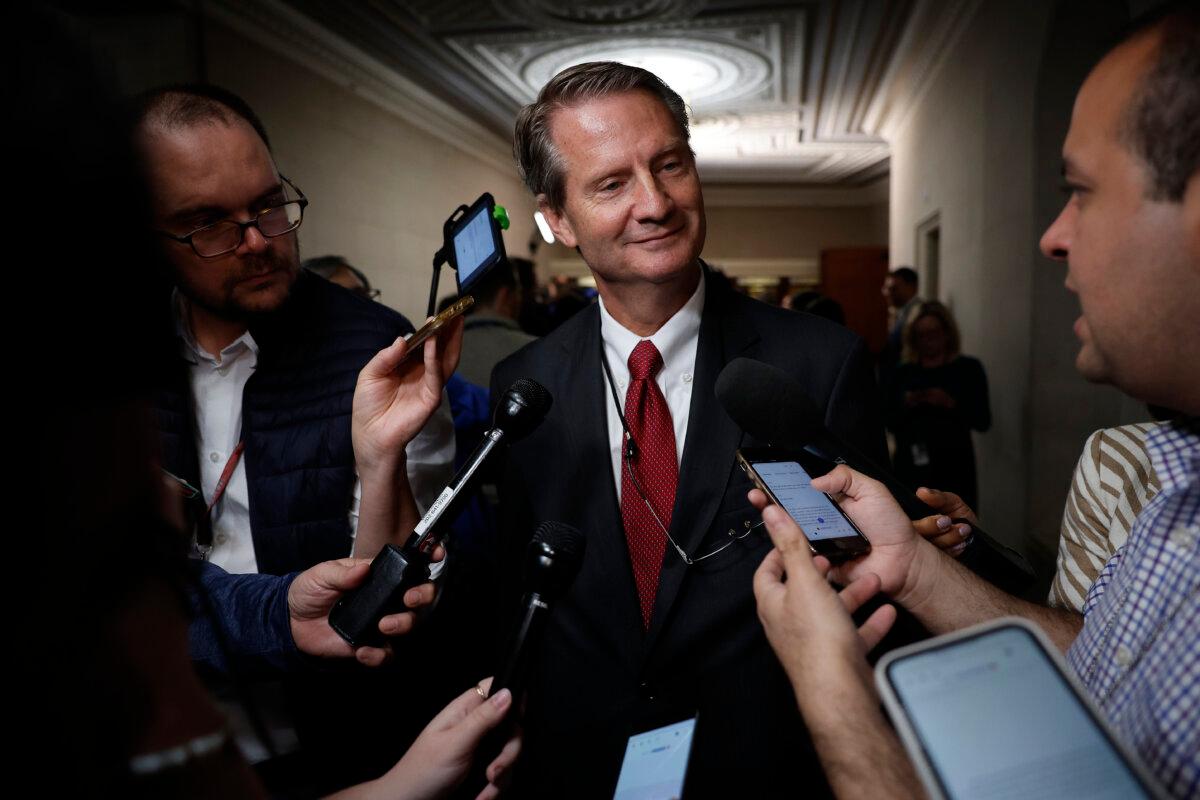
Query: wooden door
{"x": 854, "y": 278}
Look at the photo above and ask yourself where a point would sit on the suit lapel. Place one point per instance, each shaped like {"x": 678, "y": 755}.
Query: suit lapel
{"x": 708, "y": 452}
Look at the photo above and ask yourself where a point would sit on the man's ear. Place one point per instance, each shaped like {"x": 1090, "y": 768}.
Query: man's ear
{"x": 560, "y": 226}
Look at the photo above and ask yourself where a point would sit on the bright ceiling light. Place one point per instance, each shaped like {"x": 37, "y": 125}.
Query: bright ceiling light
{"x": 692, "y": 74}
{"x": 543, "y": 227}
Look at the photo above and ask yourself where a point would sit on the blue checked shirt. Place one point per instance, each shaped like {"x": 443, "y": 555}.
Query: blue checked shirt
{"x": 1139, "y": 650}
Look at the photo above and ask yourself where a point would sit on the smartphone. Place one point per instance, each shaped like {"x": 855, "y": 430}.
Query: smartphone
{"x": 656, "y": 762}
{"x": 993, "y": 711}
{"x": 785, "y": 476}
{"x": 433, "y": 326}
{"x": 478, "y": 244}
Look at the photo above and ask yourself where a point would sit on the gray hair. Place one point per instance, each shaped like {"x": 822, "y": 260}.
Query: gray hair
{"x": 538, "y": 161}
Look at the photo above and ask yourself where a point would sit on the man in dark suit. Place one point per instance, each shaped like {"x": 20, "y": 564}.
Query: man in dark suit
{"x": 660, "y": 623}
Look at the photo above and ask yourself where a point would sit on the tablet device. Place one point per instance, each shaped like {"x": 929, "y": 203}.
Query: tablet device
{"x": 656, "y": 762}
{"x": 994, "y": 712}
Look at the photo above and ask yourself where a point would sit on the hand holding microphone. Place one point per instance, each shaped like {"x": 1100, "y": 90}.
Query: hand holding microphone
{"x": 552, "y": 560}
{"x": 398, "y": 569}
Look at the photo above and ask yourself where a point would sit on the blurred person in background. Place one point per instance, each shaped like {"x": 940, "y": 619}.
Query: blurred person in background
{"x": 932, "y": 402}
{"x": 336, "y": 269}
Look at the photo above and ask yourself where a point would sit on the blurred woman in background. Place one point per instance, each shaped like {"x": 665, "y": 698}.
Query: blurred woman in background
{"x": 932, "y": 402}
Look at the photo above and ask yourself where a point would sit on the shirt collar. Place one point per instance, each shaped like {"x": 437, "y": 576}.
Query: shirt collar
{"x": 191, "y": 350}
{"x": 1175, "y": 453}
{"x": 672, "y": 339}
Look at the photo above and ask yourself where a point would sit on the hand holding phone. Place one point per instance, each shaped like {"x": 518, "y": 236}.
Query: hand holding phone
{"x": 435, "y": 325}
{"x": 993, "y": 711}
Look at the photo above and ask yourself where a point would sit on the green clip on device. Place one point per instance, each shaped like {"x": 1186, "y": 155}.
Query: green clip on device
{"x": 471, "y": 244}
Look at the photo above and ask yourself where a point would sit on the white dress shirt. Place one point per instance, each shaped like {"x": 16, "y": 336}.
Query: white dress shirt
{"x": 676, "y": 340}
{"x": 217, "y": 383}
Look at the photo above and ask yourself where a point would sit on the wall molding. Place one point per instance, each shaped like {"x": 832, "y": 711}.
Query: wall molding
{"x": 290, "y": 34}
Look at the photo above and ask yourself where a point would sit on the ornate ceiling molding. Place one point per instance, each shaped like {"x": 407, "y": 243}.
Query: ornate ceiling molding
{"x": 780, "y": 91}
{"x": 290, "y": 34}
{"x": 588, "y": 14}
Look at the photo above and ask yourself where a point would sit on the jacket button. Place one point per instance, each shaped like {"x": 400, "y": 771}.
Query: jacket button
{"x": 646, "y": 690}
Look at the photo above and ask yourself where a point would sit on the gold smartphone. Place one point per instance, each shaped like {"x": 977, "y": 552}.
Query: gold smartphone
{"x": 433, "y": 326}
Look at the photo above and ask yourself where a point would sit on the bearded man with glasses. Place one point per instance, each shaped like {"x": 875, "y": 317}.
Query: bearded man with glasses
{"x": 256, "y": 424}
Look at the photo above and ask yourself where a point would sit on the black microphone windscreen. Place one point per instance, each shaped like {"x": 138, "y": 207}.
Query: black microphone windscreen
{"x": 566, "y": 541}
{"x": 522, "y": 407}
{"x": 768, "y": 404}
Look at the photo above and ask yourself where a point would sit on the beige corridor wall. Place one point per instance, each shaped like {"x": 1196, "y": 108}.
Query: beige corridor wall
{"x": 965, "y": 153}
{"x": 795, "y": 232}
{"x": 380, "y": 187}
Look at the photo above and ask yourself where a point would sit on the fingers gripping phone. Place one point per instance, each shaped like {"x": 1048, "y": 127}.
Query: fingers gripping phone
{"x": 785, "y": 477}
{"x": 435, "y": 325}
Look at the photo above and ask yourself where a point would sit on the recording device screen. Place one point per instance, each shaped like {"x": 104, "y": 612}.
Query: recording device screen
{"x": 475, "y": 246}
{"x": 812, "y": 510}
{"x": 995, "y": 718}
{"x": 656, "y": 763}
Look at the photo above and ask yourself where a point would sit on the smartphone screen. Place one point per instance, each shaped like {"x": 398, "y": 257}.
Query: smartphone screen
{"x": 996, "y": 719}
{"x": 656, "y": 762}
{"x": 812, "y": 510}
{"x": 473, "y": 245}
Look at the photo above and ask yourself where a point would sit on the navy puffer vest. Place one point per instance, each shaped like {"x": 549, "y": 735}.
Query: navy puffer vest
{"x": 295, "y": 421}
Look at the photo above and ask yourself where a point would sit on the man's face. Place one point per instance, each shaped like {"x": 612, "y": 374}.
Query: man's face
{"x": 633, "y": 204}
{"x": 897, "y": 291}
{"x": 1134, "y": 262}
{"x": 209, "y": 172}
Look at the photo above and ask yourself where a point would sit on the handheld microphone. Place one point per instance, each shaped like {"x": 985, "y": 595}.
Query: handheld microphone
{"x": 771, "y": 406}
{"x": 552, "y": 561}
{"x": 395, "y": 570}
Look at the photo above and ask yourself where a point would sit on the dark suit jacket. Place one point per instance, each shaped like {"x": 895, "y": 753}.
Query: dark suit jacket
{"x": 599, "y": 673}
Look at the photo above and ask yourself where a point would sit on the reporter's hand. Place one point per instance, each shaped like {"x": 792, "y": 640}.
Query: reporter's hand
{"x": 312, "y": 595}
{"x": 394, "y": 397}
{"x": 940, "y": 529}
{"x": 415, "y": 598}
{"x": 441, "y": 756}
{"x": 807, "y": 622}
{"x": 894, "y": 543}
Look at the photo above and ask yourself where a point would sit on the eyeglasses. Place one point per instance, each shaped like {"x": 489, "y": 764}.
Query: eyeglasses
{"x": 733, "y": 533}
{"x": 227, "y": 235}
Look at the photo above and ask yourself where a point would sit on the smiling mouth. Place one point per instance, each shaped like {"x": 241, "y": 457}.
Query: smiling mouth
{"x": 660, "y": 237}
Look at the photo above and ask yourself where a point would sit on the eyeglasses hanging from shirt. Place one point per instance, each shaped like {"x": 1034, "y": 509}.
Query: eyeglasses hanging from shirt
{"x": 630, "y": 456}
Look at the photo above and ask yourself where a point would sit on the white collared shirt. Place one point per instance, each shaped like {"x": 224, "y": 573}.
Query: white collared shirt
{"x": 217, "y": 383}
{"x": 676, "y": 340}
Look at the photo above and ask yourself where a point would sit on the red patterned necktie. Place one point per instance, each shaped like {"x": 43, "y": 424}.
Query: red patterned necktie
{"x": 649, "y": 421}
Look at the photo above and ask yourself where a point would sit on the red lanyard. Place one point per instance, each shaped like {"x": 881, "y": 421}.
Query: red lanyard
{"x": 226, "y": 474}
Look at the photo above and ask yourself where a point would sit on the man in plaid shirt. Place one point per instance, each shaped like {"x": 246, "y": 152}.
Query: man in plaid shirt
{"x": 1130, "y": 235}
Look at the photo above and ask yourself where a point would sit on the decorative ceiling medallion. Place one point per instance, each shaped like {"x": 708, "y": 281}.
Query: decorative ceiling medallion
{"x": 705, "y": 73}
{"x": 590, "y": 13}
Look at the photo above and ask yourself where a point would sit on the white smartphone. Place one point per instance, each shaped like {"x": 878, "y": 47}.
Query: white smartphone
{"x": 994, "y": 712}
{"x": 656, "y": 762}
